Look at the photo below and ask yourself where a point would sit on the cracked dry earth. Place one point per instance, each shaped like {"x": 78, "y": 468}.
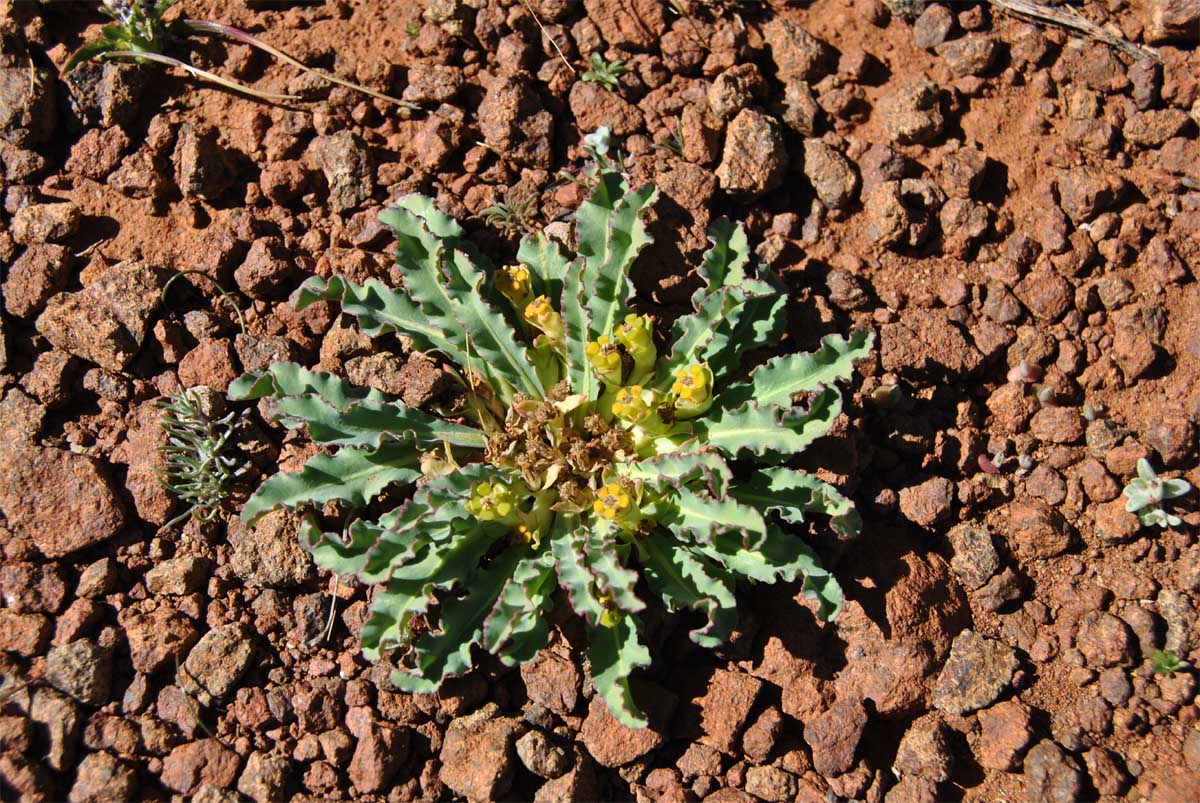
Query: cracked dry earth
{"x": 1014, "y": 211}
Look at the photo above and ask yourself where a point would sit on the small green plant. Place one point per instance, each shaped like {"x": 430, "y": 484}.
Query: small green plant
{"x": 1166, "y": 662}
{"x": 1145, "y": 495}
{"x": 673, "y": 141}
{"x": 607, "y": 74}
{"x": 581, "y": 454}
{"x": 512, "y": 216}
{"x": 141, "y": 33}
{"x": 201, "y": 464}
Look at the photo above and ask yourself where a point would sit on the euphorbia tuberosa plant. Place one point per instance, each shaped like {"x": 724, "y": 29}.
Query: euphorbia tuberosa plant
{"x": 582, "y": 453}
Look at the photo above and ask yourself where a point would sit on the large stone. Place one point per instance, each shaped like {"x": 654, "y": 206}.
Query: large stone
{"x": 215, "y": 664}
{"x": 726, "y": 707}
{"x": 82, "y": 669}
{"x": 754, "y": 161}
{"x": 268, "y": 554}
{"x": 478, "y": 757}
{"x": 1005, "y": 730}
{"x": 832, "y": 175}
{"x": 265, "y": 778}
{"x": 977, "y": 672}
{"x": 107, "y": 321}
{"x": 101, "y": 778}
{"x": 613, "y": 744}
{"x": 1170, "y": 20}
{"x": 834, "y": 735}
{"x": 28, "y": 111}
{"x": 205, "y": 762}
{"x": 378, "y": 754}
{"x": 1052, "y": 776}
{"x": 628, "y": 24}
{"x": 798, "y": 55}
{"x": 34, "y": 278}
{"x": 60, "y": 499}
{"x": 347, "y": 165}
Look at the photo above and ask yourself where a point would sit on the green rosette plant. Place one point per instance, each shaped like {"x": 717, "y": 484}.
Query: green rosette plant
{"x": 580, "y": 454}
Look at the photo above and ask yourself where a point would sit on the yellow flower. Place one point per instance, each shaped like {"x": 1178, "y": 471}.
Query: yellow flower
{"x": 491, "y": 502}
{"x": 693, "y": 390}
{"x": 539, "y": 313}
{"x": 514, "y": 282}
{"x": 613, "y": 501}
{"x": 629, "y": 404}
{"x": 636, "y": 335}
{"x": 605, "y": 359}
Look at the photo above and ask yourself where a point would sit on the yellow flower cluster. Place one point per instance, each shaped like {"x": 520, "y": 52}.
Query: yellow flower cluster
{"x": 514, "y": 282}
{"x": 539, "y": 313}
{"x": 491, "y": 502}
{"x": 629, "y": 404}
{"x": 605, "y": 357}
{"x": 613, "y": 501}
{"x": 691, "y": 384}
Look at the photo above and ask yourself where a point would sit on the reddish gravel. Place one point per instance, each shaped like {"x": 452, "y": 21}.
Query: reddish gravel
{"x": 1014, "y": 211}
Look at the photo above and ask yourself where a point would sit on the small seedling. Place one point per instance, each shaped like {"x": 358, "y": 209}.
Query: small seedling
{"x": 200, "y": 462}
{"x": 606, "y": 73}
{"x": 139, "y": 33}
{"x": 673, "y": 141}
{"x": 512, "y": 216}
{"x": 1145, "y": 495}
{"x": 1166, "y": 662}
{"x": 597, "y": 146}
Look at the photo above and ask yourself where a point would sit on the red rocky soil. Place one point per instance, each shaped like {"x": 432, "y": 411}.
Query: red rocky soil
{"x": 979, "y": 191}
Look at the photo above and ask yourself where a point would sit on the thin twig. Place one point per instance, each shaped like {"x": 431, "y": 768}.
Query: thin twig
{"x": 216, "y": 28}
{"x": 132, "y": 55}
{"x": 546, "y": 34}
{"x": 162, "y": 297}
{"x": 1069, "y": 18}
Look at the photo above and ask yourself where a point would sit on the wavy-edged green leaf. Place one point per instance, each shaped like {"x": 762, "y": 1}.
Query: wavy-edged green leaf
{"x": 691, "y": 334}
{"x": 368, "y": 423}
{"x": 687, "y": 579}
{"x": 516, "y": 628}
{"x": 381, "y": 309}
{"x": 726, "y": 324}
{"x": 780, "y": 556}
{"x": 603, "y": 560}
{"x": 449, "y": 287}
{"x": 547, "y": 264}
{"x": 353, "y": 476}
{"x": 678, "y": 469}
{"x": 436, "y": 514}
{"x": 703, "y": 517}
{"x": 615, "y": 652}
{"x": 725, "y": 262}
{"x": 290, "y": 379}
{"x": 590, "y": 571}
{"x": 792, "y": 493}
{"x": 439, "y": 224}
{"x": 768, "y": 430}
{"x": 779, "y": 379}
{"x": 568, "y": 543}
{"x": 410, "y": 587}
{"x": 758, "y": 323}
{"x": 330, "y": 552}
{"x": 610, "y": 234}
{"x": 446, "y": 652}
{"x": 576, "y": 330}
{"x": 391, "y": 610}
